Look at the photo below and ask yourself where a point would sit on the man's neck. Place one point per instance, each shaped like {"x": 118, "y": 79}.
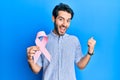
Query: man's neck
{"x": 54, "y": 31}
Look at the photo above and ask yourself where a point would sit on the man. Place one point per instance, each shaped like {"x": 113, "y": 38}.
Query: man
{"x": 64, "y": 49}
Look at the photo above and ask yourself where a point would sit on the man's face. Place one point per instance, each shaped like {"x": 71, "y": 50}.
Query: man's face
{"x": 61, "y": 22}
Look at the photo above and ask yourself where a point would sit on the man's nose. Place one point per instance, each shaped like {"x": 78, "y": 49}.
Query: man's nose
{"x": 65, "y": 23}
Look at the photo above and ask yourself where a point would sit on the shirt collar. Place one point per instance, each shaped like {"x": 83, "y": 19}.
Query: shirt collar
{"x": 55, "y": 35}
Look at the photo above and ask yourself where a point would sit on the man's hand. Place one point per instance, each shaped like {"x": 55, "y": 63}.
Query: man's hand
{"x": 91, "y": 44}
{"x": 31, "y": 52}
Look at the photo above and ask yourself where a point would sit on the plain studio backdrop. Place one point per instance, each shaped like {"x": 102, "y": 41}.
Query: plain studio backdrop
{"x": 20, "y": 20}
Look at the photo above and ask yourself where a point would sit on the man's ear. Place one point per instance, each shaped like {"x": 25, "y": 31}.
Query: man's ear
{"x": 53, "y": 18}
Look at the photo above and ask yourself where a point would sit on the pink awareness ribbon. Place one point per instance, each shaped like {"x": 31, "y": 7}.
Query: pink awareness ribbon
{"x": 41, "y": 41}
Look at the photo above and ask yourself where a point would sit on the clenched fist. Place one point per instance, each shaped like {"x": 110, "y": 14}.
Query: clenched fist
{"x": 91, "y": 44}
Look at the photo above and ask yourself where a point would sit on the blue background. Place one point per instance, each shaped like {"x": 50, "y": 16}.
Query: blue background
{"x": 20, "y": 20}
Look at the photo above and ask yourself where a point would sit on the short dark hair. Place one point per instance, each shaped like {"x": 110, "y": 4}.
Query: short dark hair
{"x": 62, "y": 7}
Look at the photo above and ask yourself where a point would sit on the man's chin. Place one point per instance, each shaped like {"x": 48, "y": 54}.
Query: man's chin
{"x": 61, "y": 34}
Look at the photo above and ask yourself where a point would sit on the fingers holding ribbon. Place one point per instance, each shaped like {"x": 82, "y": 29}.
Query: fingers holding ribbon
{"x": 31, "y": 51}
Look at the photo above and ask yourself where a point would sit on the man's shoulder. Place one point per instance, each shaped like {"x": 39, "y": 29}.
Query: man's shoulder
{"x": 72, "y": 37}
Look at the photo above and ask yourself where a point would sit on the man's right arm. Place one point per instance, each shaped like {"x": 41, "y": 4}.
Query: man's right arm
{"x": 30, "y": 53}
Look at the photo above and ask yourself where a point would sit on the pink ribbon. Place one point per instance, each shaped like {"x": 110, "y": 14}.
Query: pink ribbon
{"x": 41, "y": 41}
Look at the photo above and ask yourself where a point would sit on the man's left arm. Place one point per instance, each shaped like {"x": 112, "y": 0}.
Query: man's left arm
{"x": 84, "y": 61}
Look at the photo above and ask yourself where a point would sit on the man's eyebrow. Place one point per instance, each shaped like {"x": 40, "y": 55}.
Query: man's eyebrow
{"x": 64, "y": 18}
{"x": 60, "y": 17}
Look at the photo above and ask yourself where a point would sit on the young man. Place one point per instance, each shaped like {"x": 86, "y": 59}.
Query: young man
{"x": 65, "y": 49}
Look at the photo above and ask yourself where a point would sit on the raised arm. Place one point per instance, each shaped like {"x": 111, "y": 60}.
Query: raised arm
{"x": 84, "y": 61}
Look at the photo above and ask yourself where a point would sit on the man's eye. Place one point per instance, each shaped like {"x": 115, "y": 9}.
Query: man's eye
{"x": 68, "y": 21}
{"x": 60, "y": 19}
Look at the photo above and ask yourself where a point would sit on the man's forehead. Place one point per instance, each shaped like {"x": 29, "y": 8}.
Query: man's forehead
{"x": 64, "y": 14}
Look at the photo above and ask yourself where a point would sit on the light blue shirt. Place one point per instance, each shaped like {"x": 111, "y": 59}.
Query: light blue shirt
{"x": 65, "y": 51}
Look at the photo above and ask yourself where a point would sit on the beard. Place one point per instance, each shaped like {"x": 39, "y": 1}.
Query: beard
{"x": 57, "y": 30}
